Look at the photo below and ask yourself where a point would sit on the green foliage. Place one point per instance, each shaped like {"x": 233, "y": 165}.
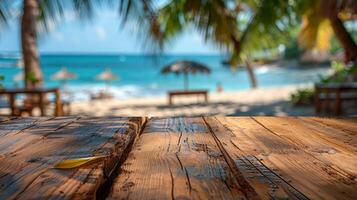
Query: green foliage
{"x": 241, "y": 27}
{"x": 2, "y": 78}
{"x": 32, "y": 77}
{"x": 335, "y": 46}
{"x": 302, "y": 97}
{"x": 268, "y": 27}
{"x": 292, "y": 50}
{"x": 341, "y": 73}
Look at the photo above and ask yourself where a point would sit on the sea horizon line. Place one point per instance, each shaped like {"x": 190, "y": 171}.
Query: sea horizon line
{"x": 18, "y": 54}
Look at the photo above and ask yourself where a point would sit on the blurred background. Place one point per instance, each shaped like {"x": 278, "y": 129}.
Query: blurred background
{"x": 178, "y": 57}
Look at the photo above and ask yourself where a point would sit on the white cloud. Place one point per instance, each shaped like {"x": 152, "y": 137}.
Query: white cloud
{"x": 101, "y": 33}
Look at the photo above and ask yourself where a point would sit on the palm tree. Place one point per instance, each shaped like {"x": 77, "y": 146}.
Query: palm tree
{"x": 221, "y": 21}
{"x": 324, "y": 15}
{"x": 33, "y": 73}
{"x": 262, "y": 31}
{"x": 36, "y": 15}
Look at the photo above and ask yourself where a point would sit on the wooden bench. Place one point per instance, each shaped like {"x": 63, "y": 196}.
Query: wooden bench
{"x": 42, "y": 102}
{"x": 336, "y": 93}
{"x": 172, "y": 94}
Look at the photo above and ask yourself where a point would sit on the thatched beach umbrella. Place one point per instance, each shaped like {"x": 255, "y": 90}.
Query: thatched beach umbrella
{"x": 63, "y": 75}
{"x": 106, "y": 76}
{"x": 186, "y": 67}
{"x": 18, "y": 77}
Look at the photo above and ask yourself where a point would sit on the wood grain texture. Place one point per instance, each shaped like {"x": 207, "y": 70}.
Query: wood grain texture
{"x": 176, "y": 158}
{"x": 29, "y": 152}
{"x": 18, "y": 125}
{"x": 288, "y": 160}
{"x": 6, "y": 118}
{"x": 263, "y": 181}
{"x": 342, "y": 131}
{"x": 179, "y": 158}
{"x": 325, "y": 145}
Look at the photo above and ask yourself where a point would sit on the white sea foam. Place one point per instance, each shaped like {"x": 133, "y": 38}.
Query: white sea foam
{"x": 262, "y": 70}
{"x": 84, "y": 92}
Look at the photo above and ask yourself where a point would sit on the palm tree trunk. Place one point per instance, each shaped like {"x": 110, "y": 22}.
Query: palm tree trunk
{"x": 344, "y": 38}
{"x": 251, "y": 74}
{"x": 249, "y": 67}
{"x": 185, "y": 82}
{"x": 33, "y": 74}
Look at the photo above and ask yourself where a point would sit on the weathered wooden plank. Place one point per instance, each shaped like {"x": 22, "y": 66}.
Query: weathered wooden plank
{"x": 330, "y": 129}
{"x": 18, "y": 125}
{"x": 261, "y": 179}
{"x": 176, "y": 158}
{"x": 283, "y": 157}
{"x": 28, "y": 167}
{"x": 348, "y": 125}
{"x": 17, "y": 137}
{"x": 317, "y": 142}
{"x": 5, "y": 118}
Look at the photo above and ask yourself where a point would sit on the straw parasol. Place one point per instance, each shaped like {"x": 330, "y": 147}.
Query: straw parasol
{"x": 18, "y": 77}
{"x": 186, "y": 67}
{"x": 106, "y": 76}
{"x": 63, "y": 75}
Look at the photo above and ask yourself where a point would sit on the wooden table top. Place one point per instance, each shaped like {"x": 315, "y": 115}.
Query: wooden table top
{"x": 179, "y": 158}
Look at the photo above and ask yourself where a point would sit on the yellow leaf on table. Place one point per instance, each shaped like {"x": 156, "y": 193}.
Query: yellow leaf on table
{"x": 78, "y": 162}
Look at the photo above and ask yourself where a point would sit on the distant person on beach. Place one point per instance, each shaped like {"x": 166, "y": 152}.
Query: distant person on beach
{"x": 219, "y": 87}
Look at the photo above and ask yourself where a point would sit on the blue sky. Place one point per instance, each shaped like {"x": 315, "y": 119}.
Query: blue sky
{"x": 101, "y": 35}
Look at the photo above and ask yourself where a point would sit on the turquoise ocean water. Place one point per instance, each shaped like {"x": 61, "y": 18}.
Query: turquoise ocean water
{"x": 140, "y": 75}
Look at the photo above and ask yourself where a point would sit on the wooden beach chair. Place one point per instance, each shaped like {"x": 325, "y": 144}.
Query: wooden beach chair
{"x": 41, "y": 102}
{"x": 336, "y": 93}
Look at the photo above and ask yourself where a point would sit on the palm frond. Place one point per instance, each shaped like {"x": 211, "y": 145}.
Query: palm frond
{"x": 268, "y": 27}
{"x": 5, "y": 15}
{"x": 52, "y": 11}
{"x": 142, "y": 13}
{"x": 316, "y": 31}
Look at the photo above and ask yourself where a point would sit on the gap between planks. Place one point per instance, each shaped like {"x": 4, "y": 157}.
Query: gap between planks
{"x": 176, "y": 158}
{"x": 104, "y": 189}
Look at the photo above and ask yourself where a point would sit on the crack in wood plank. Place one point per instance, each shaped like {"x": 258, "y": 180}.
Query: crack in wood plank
{"x": 255, "y": 173}
{"x": 248, "y": 190}
{"x": 189, "y": 169}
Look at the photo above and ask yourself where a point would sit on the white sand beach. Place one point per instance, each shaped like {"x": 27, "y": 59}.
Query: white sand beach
{"x": 262, "y": 101}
